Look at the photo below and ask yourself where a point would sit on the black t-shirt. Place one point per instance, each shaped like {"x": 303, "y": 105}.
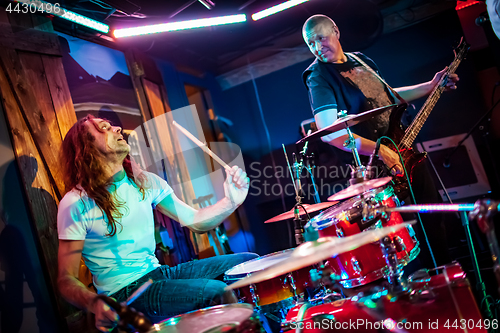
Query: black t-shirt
{"x": 350, "y": 86}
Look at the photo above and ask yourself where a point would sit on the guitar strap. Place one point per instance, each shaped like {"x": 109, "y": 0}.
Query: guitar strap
{"x": 368, "y": 68}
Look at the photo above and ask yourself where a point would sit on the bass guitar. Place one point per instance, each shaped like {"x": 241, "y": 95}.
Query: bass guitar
{"x": 404, "y": 137}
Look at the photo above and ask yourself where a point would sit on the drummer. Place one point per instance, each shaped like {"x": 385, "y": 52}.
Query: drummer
{"x": 106, "y": 216}
{"x": 338, "y": 81}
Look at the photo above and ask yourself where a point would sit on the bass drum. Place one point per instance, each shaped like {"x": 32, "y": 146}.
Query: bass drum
{"x": 366, "y": 263}
{"x": 439, "y": 303}
{"x": 230, "y": 318}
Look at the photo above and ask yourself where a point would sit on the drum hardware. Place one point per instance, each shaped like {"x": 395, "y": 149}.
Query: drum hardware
{"x": 304, "y": 209}
{"x": 440, "y": 299}
{"x": 311, "y": 253}
{"x": 366, "y": 264}
{"x": 482, "y": 211}
{"x": 255, "y": 297}
{"x": 395, "y": 274}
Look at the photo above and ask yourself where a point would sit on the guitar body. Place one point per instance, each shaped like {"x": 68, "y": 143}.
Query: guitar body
{"x": 411, "y": 157}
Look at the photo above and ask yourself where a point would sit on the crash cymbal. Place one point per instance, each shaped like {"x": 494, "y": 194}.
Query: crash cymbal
{"x": 359, "y": 188}
{"x": 309, "y": 208}
{"x": 347, "y": 121}
{"x": 310, "y": 253}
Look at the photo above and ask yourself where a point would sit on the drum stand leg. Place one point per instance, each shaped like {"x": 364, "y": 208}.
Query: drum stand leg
{"x": 395, "y": 276}
{"x": 480, "y": 286}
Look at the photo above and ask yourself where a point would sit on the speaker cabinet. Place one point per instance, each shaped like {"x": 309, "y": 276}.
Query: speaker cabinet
{"x": 464, "y": 176}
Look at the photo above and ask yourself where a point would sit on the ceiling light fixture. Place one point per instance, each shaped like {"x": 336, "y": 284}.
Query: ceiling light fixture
{"x": 54, "y": 9}
{"x": 182, "y": 25}
{"x": 207, "y": 3}
{"x": 276, "y": 9}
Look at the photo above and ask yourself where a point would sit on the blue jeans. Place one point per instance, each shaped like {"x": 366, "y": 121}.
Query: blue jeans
{"x": 182, "y": 288}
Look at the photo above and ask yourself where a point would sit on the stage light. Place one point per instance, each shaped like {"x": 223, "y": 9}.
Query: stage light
{"x": 35, "y": 6}
{"x": 276, "y": 9}
{"x": 207, "y": 4}
{"x": 182, "y": 25}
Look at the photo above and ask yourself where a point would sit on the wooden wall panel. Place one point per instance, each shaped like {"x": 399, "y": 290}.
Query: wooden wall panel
{"x": 39, "y": 112}
{"x": 40, "y": 119}
{"x": 61, "y": 98}
{"x": 35, "y": 180}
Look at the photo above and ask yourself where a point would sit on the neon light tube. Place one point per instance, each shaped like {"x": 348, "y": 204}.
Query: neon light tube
{"x": 182, "y": 25}
{"x": 276, "y": 9}
{"x": 54, "y": 9}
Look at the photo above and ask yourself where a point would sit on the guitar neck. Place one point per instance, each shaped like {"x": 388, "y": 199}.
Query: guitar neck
{"x": 415, "y": 127}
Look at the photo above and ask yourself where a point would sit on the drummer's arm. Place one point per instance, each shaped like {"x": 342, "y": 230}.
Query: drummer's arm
{"x": 364, "y": 146}
{"x": 235, "y": 189}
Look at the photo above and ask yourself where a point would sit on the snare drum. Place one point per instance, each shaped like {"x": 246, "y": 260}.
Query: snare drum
{"x": 230, "y": 318}
{"x": 366, "y": 263}
{"x": 274, "y": 294}
{"x": 440, "y": 303}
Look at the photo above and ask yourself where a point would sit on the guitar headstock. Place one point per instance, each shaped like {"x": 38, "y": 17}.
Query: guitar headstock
{"x": 462, "y": 48}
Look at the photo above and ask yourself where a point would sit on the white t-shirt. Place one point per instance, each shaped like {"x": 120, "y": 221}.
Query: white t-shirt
{"x": 128, "y": 255}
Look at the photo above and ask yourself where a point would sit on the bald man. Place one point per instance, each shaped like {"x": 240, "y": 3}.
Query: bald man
{"x": 337, "y": 81}
{"x": 340, "y": 81}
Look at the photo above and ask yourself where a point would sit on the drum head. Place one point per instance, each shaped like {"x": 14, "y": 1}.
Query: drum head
{"x": 209, "y": 320}
{"x": 257, "y": 264}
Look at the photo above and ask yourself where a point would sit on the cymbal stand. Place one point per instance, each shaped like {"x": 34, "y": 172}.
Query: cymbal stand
{"x": 309, "y": 166}
{"x": 297, "y": 221}
{"x": 358, "y": 172}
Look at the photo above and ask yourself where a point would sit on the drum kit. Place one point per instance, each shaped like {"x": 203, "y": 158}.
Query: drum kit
{"x": 351, "y": 277}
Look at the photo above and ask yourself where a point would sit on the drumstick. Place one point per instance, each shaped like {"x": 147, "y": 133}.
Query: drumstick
{"x": 202, "y": 146}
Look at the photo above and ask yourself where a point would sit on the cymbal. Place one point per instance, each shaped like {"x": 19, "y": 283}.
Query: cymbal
{"x": 347, "y": 121}
{"x": 310, "y": 253}
{"x": 359, "y": 188}
{"x": 309, "y": 208}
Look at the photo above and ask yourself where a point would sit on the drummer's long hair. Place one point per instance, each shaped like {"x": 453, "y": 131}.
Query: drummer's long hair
{"x": 83, "y": 170}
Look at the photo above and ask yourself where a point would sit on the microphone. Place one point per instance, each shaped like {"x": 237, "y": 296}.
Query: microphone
{"x": 371, "y": 169}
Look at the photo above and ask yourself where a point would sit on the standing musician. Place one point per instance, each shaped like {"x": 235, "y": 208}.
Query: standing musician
{"x": 107, "y": 217}
{"x": 339, "y": 81}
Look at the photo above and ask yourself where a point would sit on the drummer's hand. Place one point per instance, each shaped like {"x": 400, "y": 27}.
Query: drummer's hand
{"x": 105, "y": 318}
{"x": 391, "y": 159}
{"x": 236, "y": 185}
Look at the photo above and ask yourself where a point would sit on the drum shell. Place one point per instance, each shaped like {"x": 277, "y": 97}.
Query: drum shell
{"x": 273, "y": 290}
{"x": 440, "y": 307}
{"x": 366, "y": 263}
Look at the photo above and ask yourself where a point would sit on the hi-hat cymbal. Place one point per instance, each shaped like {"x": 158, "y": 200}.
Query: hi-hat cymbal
{"x": 347, "y": 121}
{"x": 309, "y": 208}
{"x": 310, "y": 253}
{"x": 359, "y": 188}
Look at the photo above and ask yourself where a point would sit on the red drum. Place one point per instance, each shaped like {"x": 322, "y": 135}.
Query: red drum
{"x": 366, "y": 263}
{"x": 230, "y": 318}
{"x": 441, "y": 303}
{"x": 278, "y": 291}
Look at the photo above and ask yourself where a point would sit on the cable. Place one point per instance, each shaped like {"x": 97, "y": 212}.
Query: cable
{"x": 413, "y": 198}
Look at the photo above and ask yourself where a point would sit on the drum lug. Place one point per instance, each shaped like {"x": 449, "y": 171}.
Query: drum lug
{"x": 340, "y": 231}
{"x": 255, "y": 297}
{"x": 355, "y": 265}
{"x": 400, "y": 245}
{"x": 290, "y": 278}
{"x": 411, "y": 232}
